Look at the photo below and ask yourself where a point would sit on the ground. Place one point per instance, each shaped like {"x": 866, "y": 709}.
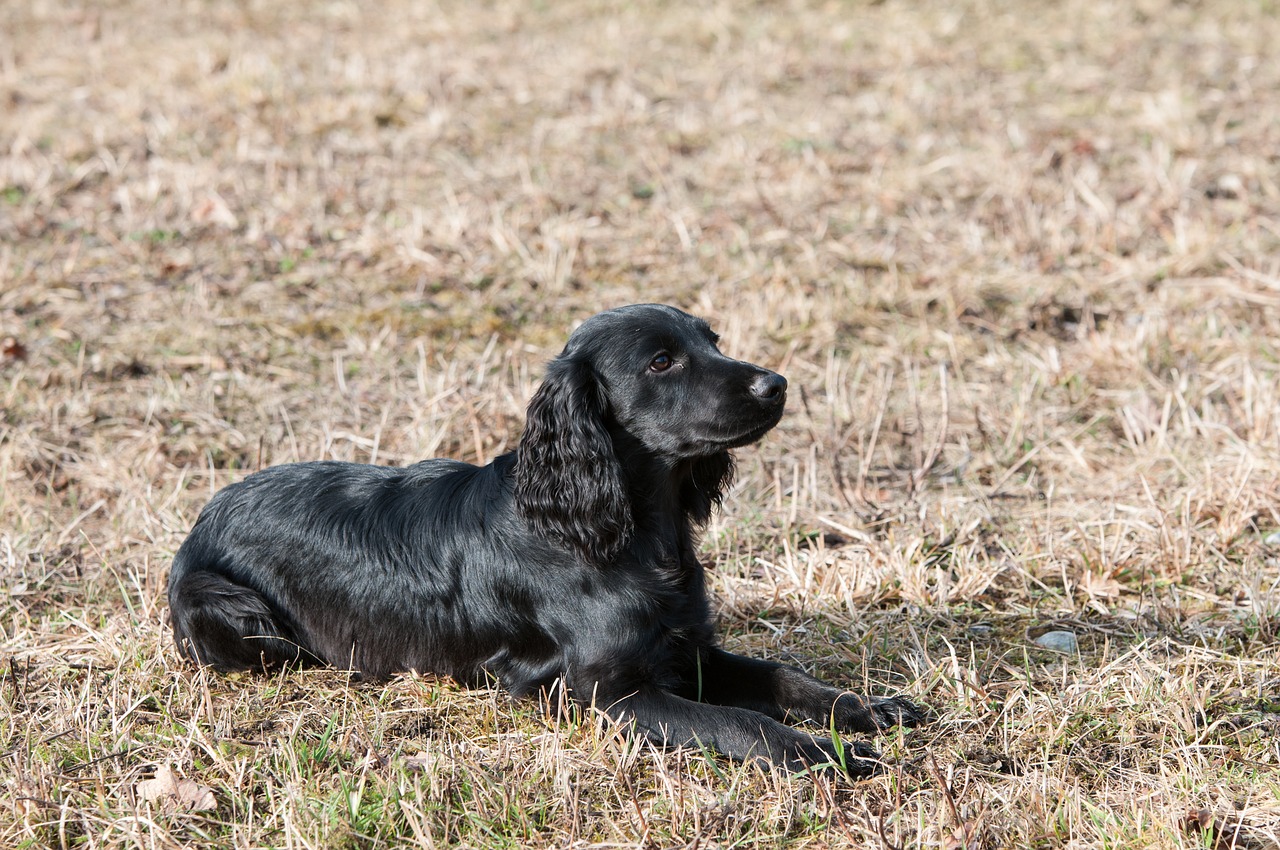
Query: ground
{"x": 1019, "y": 261}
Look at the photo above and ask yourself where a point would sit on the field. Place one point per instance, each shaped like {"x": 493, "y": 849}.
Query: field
{"x": 1019, "y": 261}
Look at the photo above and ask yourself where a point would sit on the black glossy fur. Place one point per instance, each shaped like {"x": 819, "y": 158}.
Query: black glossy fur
{"x": 572, "y": 558}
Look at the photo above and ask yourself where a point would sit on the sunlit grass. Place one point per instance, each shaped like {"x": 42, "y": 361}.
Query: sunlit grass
{"x": 1018, "y": 265}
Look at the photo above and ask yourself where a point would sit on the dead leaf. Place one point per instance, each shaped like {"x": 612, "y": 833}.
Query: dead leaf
{"x": 214, "y": 210}
{"x": 11, "y": 348}
{"x": 26, "y": 799}
{"x": 423, "y": 761}
{"x": 1098, "y": 585}
{"x": 1229, "y": 832}
{"x": 171, "y": 794}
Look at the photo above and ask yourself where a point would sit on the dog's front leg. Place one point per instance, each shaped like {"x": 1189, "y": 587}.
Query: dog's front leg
{"x": 786, "y": 693}
{"x": 738, "y": 733}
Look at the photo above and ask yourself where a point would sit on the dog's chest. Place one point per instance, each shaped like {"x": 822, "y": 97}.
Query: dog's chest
{"x": 670, "y": 565}
{"x": 678, "y": 589}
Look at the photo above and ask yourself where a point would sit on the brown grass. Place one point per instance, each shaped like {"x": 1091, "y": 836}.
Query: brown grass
{"x": 1021, "y": 262}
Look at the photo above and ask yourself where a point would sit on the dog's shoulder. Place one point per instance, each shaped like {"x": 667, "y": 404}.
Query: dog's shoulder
{"x": 427, "y": 472}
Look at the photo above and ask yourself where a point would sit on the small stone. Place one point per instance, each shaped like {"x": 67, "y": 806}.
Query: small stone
{"x": 1059, "y": 641}
{"x": 981, "y": 629}
{"x": 1227, "y": 186}
{"x": 1272, "y": 539}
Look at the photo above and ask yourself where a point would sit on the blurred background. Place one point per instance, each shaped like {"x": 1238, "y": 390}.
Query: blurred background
{"x": 1019, "y": 262}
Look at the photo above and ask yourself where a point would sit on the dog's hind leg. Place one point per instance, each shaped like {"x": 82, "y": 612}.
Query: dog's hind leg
{"x": 229, "y": 626}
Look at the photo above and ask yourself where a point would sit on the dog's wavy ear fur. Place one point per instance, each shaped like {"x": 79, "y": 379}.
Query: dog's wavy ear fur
{"x": 569, "y": 483}
{"x": 704, "y": 487}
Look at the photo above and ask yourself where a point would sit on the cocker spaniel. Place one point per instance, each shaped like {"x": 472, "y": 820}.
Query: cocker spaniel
{"x": 570, "y": 562}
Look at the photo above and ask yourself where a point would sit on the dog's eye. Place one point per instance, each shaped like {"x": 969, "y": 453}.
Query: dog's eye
{"x": 661, "y": 363}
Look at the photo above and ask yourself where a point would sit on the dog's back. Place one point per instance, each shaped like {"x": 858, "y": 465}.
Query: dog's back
{"x": 225, "y": 608}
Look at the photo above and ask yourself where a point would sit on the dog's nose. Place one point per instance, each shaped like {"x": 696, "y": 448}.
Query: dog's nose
{"x": 769, "y": 386}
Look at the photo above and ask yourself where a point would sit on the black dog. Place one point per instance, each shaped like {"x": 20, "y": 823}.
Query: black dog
{"x": 571, "y": 560}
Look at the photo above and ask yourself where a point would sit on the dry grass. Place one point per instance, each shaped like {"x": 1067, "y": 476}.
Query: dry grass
{"x": 1021, "y": 261}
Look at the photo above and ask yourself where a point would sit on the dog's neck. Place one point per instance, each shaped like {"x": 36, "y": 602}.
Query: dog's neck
{"x": 671, "y": 489}
{"x": 655, "y": 477}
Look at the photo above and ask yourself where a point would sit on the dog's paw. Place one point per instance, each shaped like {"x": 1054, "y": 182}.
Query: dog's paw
{"x": 855, "y": 759}
{"x": 861, "y": 760}
{"x": 888, "y": 712}
{"x": 872, "y": 715}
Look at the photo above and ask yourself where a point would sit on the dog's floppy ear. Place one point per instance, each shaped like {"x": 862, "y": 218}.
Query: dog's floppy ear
{"x": 704, "y": 487}
{"x": 569, "y": 483}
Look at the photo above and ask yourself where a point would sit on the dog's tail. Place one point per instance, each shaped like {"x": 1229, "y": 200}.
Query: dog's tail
{"x": 226, "y": 625}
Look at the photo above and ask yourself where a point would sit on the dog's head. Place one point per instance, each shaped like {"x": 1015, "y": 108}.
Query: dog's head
{"x": 636, "y": 388}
